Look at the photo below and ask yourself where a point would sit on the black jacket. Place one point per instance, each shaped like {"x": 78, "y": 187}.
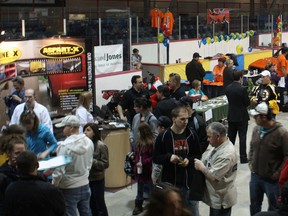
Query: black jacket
{"x": 163, "y": 151}
{"x": 227, "y": 77}
{"x": 164, "y": 107}
{"x": 33, "y": 196}
{"x": 195, "y": 70}
{"x": 238, "y": 102}
{"x": 198, "y": 124}
{"x": 127, "y": 102}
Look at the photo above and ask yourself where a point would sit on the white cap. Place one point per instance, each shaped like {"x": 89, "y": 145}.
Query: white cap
{"x": 265, "y": 73}
{"x": 70, "y": 120}
{"x": 260, "y": 109}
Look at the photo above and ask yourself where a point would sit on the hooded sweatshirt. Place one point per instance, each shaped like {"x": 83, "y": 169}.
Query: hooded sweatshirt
{"x": 75, "y": 174}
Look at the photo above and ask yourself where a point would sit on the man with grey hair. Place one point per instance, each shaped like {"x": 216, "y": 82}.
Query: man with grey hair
{"x": 228, "y": 73}
{"x": 30, "y": 103}
{"x": 220, "y": 168}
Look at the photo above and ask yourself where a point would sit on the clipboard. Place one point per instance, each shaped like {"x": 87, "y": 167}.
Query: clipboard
{"x": 54, "y": 162}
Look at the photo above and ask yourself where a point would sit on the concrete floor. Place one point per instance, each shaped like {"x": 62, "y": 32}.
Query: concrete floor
{"x": 121, "y": 203}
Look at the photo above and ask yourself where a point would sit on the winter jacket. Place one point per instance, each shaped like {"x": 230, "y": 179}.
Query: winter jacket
{"x": 268, "y": 149}
{"x": 164, "y": 148}
{"x": 100, "y": 162}
{"x": 145, "y": 153}
{"x": 33, "y": 196}
{"x": 75, "y": 174}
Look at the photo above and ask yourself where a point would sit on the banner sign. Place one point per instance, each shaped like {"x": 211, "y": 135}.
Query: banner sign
{"x": 218, "y": 15}
{"x": 55, "y": 68}
{"x": 108, "y": 58}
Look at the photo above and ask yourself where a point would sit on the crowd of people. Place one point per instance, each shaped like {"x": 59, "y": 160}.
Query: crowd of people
{"x": 175, "y": 167}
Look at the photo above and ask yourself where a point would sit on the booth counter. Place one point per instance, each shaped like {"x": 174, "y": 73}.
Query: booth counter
{"x": 163, "y": 71}
{"x": 117, "y": 141}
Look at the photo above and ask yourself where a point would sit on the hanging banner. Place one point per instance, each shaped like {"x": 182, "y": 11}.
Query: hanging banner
{"x": 108, "y": 59}
{"x": 218, "y": 15}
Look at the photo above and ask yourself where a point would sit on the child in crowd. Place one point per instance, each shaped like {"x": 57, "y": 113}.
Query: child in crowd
{"x": 143, "y": 163}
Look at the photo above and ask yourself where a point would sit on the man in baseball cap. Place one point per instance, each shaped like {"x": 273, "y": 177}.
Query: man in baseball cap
{"x": 268, "y": 151}
{"x": 74, "y": 176}
{"x": 70, "y": 120}
{"x": 194, "y": 69}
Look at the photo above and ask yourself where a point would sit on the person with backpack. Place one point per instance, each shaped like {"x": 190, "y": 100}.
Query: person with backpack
{"x": 142, "y": 107}
{"x": 143, "y": 163}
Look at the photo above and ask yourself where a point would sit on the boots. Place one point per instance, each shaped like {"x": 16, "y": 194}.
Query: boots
{"x": 138, "y": 207}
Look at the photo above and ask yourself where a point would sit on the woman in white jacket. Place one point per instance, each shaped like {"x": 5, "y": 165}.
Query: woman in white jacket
{"x": 82, "y": 109}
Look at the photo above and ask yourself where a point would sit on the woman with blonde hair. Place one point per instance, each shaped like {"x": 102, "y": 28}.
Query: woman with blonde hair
{"x": 82, "y": 109}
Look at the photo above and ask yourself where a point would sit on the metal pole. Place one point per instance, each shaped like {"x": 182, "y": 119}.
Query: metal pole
{"x": 130, "y": 41}
{"x": 64, "y": 27}
{"x": 179, "y": 28}
{"x": 100, "y": 33}
{"x": 137, "y": 29}
{"x": 242, "y": 24}
{"x": 23, "y": 28}
{"x": 158, "y": 45}
{"x": 272, "y": 33}
{"x": 248, "y": 23}
{"x": 197, "y": 26}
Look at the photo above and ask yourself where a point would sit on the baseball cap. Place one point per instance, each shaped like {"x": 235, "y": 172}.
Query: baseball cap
{"x": 260, "y": 109}
{"x": 70, "y": 120}
{"x": 265, "y": 73}
{"x": 196, "y": 55}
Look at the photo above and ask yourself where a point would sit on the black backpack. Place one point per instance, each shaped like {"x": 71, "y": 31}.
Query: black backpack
{"x": 129, "y": 164}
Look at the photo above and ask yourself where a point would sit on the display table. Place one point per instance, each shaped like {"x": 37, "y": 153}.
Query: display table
{"x": 214, "y": 109}
{"x": 117, "y": 141}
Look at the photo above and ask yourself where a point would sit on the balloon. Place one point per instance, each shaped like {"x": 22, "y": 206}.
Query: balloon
{"x": 166, "y": 42}
{"x": 277, "y": 30}
{"x": 243, "y": 35}
{"x": 279, "y": 34}
{"x": 208, "y": 39}
{"x": 220, "y": 38}
{"x": 279, "y": 25}
{"x": 204, "y": 41}
{"x": 167, "y": 32}
{"x": 249, "y": 49}
{"x": 277, "y": 43}
{"x": 251, "y": 33}
{"x": 160, "y": 37}
{"x": 239, "y": 49}
{"x": 278, "y": 19}
{"x": 227, "y": 38}
{"x": 212, "y": 40}
{"x": 232, "y": 35}
{"x": 215, "y": 39}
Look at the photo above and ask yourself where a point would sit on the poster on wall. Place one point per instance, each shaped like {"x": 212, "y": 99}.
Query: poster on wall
{"x": 108, "y": 58}
{"x": 55, "y": 68}
{"x": 218, "y": 16}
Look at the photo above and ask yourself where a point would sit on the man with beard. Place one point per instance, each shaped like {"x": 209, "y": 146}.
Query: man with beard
{"x": 31, "y": 104}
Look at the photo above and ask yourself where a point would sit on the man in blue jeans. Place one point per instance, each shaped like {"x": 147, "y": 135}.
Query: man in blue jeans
{"x": 72, "y": 179}
{"x": 268, "y": 152}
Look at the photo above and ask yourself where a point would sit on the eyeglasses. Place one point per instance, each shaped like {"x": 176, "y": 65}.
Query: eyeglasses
{"x": 28, "y": 97}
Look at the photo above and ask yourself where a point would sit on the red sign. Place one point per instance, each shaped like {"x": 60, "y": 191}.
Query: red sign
{"x": 218, "y": 15}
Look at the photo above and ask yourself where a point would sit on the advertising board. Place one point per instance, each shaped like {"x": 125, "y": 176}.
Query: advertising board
{"x": 55, "y": 68}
